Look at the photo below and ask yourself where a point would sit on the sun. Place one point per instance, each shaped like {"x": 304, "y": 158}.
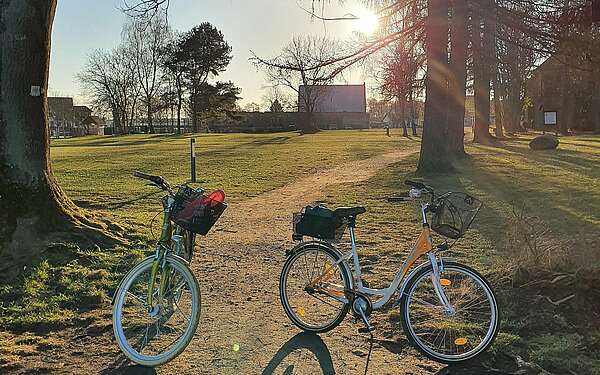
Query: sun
{"x": 367, "y": 22}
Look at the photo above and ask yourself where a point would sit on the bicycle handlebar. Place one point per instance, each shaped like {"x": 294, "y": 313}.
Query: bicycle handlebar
{"x": 409, "y": 196}
{"x": 156, "y": 180}
{"x": 419, "y": 185}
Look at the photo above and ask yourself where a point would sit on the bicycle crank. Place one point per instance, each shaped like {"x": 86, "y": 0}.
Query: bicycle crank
{"x": 362, "y": 308}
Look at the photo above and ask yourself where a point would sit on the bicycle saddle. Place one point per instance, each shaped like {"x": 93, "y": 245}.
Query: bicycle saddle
{"x": 349, "y": 211}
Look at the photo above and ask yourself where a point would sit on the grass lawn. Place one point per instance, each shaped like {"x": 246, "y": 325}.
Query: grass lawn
{"x": 96, "y": 171}
{"x": 559, "y": 190}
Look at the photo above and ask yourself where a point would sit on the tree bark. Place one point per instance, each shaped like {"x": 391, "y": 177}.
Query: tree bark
{"x": 30, "y": 196}
{"x": 31, "y": 202}
{"x": 482, "y": 39}
{"x": 150, "y": 119}
{"x": 434, "y": 146}
{"x": 498, "y": 110}
{"x": 457, "y": 81}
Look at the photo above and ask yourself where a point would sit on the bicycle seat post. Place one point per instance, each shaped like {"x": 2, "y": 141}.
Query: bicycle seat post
{"x": 351, "y": 226}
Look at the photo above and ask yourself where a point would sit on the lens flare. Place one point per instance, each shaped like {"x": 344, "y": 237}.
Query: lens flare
{"x": 367, "y": 22}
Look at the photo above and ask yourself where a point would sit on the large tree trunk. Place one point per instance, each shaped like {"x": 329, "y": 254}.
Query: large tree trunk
{"x": 595, "y": 107}
{"x": 434, "y": 147}
{"x": 149, "y": 114}
{"x": 458, "y": 78}
{"x": 482, "y": 12}
{"x": 498, "y": 110}
{"x": 31, "y": 202}
{"x": 31, "y": 199}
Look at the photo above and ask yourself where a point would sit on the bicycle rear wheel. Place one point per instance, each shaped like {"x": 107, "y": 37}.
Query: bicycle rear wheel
{"x": 151, "y": 337}
{"x": 311, "y": 288}
{"x": 450, "y": 336}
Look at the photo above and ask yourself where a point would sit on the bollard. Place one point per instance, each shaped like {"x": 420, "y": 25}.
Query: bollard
{"x": 193, "y": 158}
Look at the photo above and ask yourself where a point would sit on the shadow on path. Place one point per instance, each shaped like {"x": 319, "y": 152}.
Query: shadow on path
{"x": 303, "y": 340}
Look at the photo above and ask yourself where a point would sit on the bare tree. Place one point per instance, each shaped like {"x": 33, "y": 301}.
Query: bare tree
{"x": 400, "y": 81}
{"x": 110, "y": 79}
{"x": 306, "y": 65}
{"x": 276, "y": 100}
{"x": 147, "y": 41}
{"x": 174, "y": 64}
{"x": 252, "y": 107}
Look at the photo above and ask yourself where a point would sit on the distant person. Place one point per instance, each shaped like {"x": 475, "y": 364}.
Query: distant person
{"x": 404, "y": 128}
{"x": 387, "y": 129}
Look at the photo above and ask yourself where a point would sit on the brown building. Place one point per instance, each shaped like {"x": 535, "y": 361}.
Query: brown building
{"x": 68, "y": 120}
{"x": 337, "y": 106}
{"x": 563, "y": 97}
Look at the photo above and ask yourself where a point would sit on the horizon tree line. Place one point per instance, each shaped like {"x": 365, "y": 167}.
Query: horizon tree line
{"x": 156, "y": 74}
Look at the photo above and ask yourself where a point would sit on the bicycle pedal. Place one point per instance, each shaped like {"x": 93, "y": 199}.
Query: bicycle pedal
{"x": 366, "y": 329}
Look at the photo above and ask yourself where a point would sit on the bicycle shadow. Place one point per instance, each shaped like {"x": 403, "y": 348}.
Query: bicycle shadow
{"x": 303, "y": 340}
{"x": 122, "y": 366}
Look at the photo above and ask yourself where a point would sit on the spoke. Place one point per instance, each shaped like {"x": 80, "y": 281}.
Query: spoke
{"x": 145, "y": 338}
{"x": 438, "y": 330}
{"x": 140, "y": 299}
{"x": 181, "y": 312}
{"x": 308, "y": 278}
{"x": 325, "y": 302}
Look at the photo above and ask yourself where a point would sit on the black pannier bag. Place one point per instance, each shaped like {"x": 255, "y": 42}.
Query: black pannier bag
{"x": 195, "y": 211}
{"x": 319, "y": 222}
{"x": 454, "y": 213}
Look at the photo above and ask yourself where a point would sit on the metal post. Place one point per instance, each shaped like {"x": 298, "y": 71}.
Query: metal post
{"x": 193, "y": 158}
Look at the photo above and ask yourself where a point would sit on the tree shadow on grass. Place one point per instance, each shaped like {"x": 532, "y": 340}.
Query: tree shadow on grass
{"x": 118, "y": 141}
{"x": 271, "y": 141}
{"x": 303, "y": 340}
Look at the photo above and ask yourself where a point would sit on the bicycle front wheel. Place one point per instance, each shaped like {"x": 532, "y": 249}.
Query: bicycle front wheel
{"x": 154, "y": 335}
{"x": 458, "y": 334}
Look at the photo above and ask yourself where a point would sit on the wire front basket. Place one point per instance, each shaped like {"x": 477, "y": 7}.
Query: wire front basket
{"x": 195, "y": 211}
{"x": 454, "y": 213}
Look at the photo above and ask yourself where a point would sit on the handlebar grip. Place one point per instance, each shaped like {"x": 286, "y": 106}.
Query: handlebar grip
{"x": 415, "y": 184}
{"x": 404, "y": 197}
{"x": 419, "y": 185}
{"x": 156, "y": 180}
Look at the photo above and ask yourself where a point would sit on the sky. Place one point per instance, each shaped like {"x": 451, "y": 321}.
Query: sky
{"x": 263, "y": 26}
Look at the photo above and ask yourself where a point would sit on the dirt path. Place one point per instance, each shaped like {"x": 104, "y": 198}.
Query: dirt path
{"x": 238, "y": 270}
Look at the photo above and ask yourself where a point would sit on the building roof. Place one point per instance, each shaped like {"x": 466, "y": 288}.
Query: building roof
{"x": 61, "y": 107}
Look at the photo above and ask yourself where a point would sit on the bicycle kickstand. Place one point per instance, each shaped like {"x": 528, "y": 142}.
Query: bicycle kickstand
{"x": 368, "y": 328}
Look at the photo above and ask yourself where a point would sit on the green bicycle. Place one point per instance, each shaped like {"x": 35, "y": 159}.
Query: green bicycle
{"x": 156, "y": 308}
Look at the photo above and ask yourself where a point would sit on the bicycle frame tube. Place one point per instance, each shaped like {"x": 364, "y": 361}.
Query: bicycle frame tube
{"x": 422, "y": 247}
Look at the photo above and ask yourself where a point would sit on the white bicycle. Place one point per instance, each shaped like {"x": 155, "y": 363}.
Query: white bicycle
{"x": 448, "y": 310}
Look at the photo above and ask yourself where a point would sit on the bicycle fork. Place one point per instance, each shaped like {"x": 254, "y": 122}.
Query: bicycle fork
{"x": 159, "y": 265}
{"x": 438, "y": 268}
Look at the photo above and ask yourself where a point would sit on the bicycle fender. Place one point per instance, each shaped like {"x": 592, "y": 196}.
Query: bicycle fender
{"x": 112, "y": 302}
{"x": 303, "y": 244}
{"x": 414, "y": 272}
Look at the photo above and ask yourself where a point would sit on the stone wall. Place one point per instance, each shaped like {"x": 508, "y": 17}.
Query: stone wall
{"x": 269, "y": 122}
